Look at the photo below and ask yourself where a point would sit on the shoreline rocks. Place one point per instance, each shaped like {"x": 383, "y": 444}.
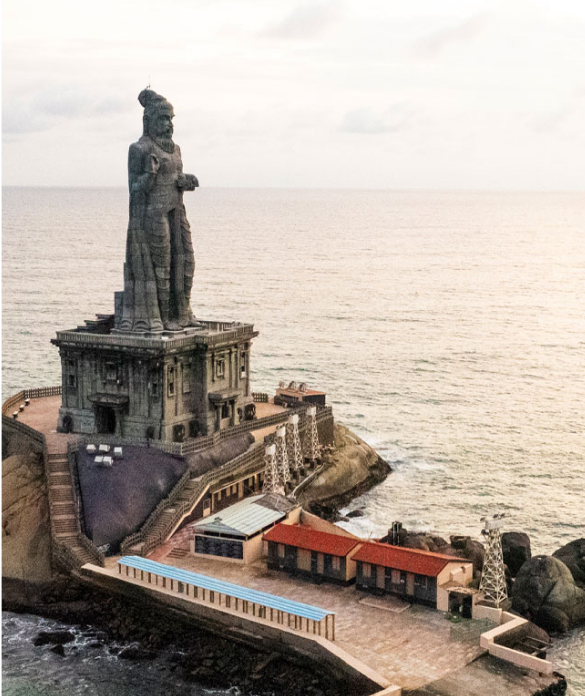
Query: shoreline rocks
{"x": 352, "y": 468}
{"x": 196, "y": 655}
{"x": 545, "y": 592}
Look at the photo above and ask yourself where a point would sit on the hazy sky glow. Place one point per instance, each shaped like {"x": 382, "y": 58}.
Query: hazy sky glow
{"x": 301, "y": 93}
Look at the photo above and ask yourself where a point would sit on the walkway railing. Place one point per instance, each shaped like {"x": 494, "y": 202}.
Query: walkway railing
{"x": 252, "y": 459}
{"x": 236, "y": 598}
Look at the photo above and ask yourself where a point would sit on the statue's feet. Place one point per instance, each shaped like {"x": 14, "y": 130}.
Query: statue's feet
{"x": 192, "y": 320}
{"x": 172, "y": 326}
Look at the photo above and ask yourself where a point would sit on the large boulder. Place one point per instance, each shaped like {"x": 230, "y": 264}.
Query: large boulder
{"x": 469, "y": 549}
{"x": 351, "y": 469}
{"x": 26, "y": 538}
{"x": 573, "y": 556}
{"x": 516, "y": 550}
{"x": 545, "y": 592}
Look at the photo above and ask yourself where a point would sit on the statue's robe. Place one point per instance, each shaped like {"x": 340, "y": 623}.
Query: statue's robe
{"x": 158, "y": 273}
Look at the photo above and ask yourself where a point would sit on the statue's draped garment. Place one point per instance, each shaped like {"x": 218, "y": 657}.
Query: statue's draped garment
{"x": 158, "y": 273}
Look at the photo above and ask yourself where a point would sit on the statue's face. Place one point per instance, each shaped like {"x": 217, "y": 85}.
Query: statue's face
{"x": 161, "y": 125}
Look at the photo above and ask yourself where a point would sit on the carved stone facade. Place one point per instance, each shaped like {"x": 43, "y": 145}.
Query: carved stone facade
{"x": 168, "y": 387}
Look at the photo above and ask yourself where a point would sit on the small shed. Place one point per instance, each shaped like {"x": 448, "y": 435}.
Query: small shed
{"x": 413, "y": 575}
{"x": 302, "y": 550}
{"x": 235, "y": 533}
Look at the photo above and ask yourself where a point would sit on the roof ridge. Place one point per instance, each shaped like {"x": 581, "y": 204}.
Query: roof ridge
{"x": 433, "y": 554}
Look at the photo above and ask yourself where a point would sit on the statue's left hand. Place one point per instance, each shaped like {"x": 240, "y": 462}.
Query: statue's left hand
{"x": 187, "y": 182}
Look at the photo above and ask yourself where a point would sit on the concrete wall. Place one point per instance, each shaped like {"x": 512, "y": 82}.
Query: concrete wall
{"x": 513, "y": 628}
{"x": 314, "y": 649}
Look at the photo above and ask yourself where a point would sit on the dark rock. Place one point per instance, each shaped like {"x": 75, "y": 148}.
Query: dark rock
{"x": 419, "y": 541}
{"x": 573, "y": 556}
{"x": 474, "y": 551}
{"x": 54, "y": 637}
{"x": 134, "y": 653}
{"x": 355, "y": 513}
{"x": 552, "y": 619}
{"x": 58, "y": 650}
{"x": 544, "y": 591}
{"x": 458, "y": 541}
{"x": 516, "y": 550}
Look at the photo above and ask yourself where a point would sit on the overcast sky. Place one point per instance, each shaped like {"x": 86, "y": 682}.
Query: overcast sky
{"x": 300, "y": 93}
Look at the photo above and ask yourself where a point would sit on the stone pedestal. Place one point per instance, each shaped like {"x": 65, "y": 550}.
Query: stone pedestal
{"x": 170, "y": 386}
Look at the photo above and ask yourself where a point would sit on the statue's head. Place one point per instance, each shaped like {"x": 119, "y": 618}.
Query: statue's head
{"x": 158, "y": 116}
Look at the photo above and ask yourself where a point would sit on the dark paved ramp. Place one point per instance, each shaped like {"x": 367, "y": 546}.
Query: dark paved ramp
{"x": 117, "y": 501}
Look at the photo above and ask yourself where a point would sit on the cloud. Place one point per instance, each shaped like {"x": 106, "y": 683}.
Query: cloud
{"x": 42, "y": 111}
{"x": 554, "y": 120}
{"x": 365, "y": 121}
{"x": 433, "y": 44}
{"x": 306, "y": 21}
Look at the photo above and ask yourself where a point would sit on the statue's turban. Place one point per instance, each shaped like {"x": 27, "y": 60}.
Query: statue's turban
{"x": 151, "y": 101}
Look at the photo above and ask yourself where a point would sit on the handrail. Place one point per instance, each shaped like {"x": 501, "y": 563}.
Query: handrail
{"x": 239, "y": 463}
{"x": 8, "y": 405}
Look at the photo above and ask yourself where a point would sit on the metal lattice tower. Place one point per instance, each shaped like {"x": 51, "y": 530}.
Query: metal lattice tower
{"x": 271, "y": 479}
{"x": 294, "y": 443}
{"x": 282, "y": 456}
{"x": 311, "y": 435}
{"x": 493, "y": 578}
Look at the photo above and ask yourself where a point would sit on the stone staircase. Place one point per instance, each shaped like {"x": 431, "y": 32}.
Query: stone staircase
{"x": 65, "y": 527}
{"x": 171, "y": 517}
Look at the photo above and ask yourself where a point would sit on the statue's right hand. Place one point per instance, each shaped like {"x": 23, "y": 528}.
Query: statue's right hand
{"x": 153, "y": 164}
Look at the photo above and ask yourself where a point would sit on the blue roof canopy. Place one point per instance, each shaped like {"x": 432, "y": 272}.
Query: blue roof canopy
{"x": 208, "y": 583}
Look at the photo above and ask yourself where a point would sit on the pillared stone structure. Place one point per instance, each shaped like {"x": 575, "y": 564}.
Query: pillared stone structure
{"x": 151, "y": 370}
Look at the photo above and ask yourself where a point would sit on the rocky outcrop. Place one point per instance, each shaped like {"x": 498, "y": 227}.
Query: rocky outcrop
{"x": 573, "y": 556}
{"x": 545, "y": 593}
{"x": 351, "y": 469}
{"x": 516, "y": 550}
{"x": 26, "y": 539}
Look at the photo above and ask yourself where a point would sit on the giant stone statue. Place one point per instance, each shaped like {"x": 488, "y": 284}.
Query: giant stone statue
{"x": 158, "y": 273}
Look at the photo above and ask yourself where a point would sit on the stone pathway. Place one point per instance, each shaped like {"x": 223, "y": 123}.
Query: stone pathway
{"x": 409, "y": 649}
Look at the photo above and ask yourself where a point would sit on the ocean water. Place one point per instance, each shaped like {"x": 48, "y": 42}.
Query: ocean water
{"x": 447, "y": 328}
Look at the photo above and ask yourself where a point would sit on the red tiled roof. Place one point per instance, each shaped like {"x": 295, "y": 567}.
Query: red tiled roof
{"x": 400, "y": 558}
{"x": 308, "y": 538}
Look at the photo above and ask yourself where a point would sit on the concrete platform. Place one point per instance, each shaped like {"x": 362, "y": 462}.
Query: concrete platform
{"x": 410, "y": 649}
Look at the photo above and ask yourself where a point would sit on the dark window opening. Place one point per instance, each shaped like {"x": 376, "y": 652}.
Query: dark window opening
{"x": 225, "y": 410}
{"x": 171, "y": 381}
{"x": 111, "y": 372}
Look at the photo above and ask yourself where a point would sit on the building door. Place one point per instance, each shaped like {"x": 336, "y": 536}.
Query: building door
{"x": 314, "y": 568}
{"x": 410, "y": 584}
{"x": 105, "y": 420}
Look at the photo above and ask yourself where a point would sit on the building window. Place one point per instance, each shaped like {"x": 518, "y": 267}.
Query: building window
{"x": 71, "y": 381}
{"x": 186, "y": 378}
{"x": 366, "y": 570}
{"x": 220, "y": 368}
{"x": 111, "y": 372}
{"x": 225, "y": 410}
{"x": 280, "y": 548}
{"x": 420, "y": 581}
{"x": 243, "y": 363}
{"x": 336, "y": 563}
{"x": 154, "y": 389}
{"x": 396, "y": 578}
{"x": 171, "y": 374}
{"x": 193, "y": 428}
